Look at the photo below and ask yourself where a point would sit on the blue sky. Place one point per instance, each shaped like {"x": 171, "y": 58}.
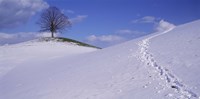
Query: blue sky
{"x": 104, "y": 22}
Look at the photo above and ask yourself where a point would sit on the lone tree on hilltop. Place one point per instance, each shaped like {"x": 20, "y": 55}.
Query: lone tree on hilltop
{"x": 53, "y": 20}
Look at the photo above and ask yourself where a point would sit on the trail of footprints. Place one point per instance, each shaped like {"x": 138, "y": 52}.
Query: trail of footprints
{"x": 171, "y": 79}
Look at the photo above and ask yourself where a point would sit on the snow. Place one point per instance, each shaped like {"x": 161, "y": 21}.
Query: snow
{"x": 35, "y": 50}
{"x": 179, "y": 52}
{"x": 162, "y": 65}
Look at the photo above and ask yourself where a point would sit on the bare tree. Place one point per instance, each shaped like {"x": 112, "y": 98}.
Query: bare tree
{"x": 53, "y": 20}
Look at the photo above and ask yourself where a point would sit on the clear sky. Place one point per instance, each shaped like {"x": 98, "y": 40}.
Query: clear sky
{"x": 101, "y": 22}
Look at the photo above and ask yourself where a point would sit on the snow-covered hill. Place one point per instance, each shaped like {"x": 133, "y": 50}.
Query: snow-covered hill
{"x": 159, "y": 66}
{"x": 35, "y": 51}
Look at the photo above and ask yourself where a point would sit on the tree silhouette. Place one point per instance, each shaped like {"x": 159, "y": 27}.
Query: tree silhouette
{"x": 53, "y": 20}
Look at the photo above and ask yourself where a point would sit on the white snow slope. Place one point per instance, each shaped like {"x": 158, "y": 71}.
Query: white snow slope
{"x": 159, "y": 66}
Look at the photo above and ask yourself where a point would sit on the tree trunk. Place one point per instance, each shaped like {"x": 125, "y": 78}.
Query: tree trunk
{"x": 52, "y": 34}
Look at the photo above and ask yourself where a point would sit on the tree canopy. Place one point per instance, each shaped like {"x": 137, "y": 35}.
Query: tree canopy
{"x": 53, "y": 20}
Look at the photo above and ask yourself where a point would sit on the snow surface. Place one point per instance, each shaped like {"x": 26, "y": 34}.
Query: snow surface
{"x": 159, "y": 66}
{"x": 36, "y": 50}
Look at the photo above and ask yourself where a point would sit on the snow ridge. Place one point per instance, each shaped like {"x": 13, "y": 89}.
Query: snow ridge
{"x": 171, "y": 80}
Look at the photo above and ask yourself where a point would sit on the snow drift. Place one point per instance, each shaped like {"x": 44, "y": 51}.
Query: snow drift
{"x": 159, "y": 66}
